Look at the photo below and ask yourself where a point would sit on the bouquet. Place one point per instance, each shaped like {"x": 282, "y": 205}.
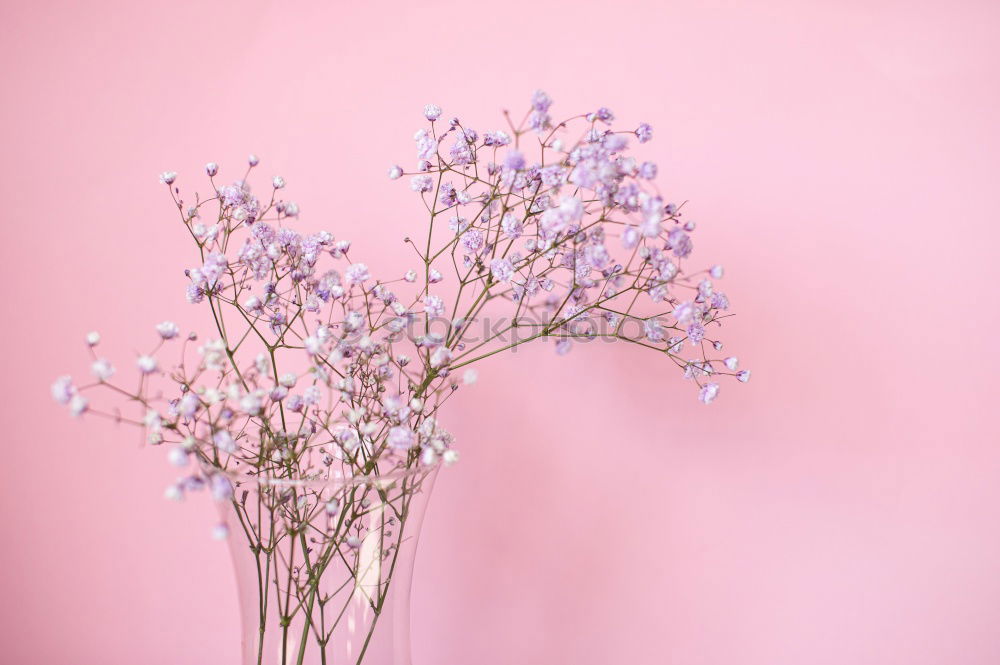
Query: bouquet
{"x": 312, "y": 406}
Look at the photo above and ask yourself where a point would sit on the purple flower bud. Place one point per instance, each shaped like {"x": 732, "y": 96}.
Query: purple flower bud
{"x": 211, "y": 169}
{"x": 254, "y": 160}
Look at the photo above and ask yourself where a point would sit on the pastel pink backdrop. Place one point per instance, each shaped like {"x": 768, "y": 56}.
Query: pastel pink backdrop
{"x": 841, "y": 159}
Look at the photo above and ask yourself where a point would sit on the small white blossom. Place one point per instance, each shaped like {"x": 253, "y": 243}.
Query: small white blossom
{"x": 63, "y": 389}
{"x": 251, "y": 403}
{"x": 93, "y": 338}
{"x": 102, "y": 369}
{"x": 178, "y": 457}
{"x": 78, "y": 405}
{"x": 440, "y": 357}
{"x": 146, "y": 364}
{"x": 213, "y": 354}
{"x": 708, "y": 393}
{"x": 401, "y": 438}
{"x": 152, "y": 419}
{"x": 357, "y": 273}
{"x": 167, "y": 329}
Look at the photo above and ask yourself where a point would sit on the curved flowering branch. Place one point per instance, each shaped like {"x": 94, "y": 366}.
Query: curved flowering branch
{"x": 316, "y": 369}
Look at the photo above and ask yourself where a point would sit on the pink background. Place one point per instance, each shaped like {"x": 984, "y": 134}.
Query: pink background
{"x": 842, "y": 160}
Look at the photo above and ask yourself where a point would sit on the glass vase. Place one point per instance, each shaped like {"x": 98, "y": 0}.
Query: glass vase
{"x": 324, "y": 567}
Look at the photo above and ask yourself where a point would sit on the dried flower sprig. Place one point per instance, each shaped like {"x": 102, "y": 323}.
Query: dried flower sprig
{"x": 546, "y": 230}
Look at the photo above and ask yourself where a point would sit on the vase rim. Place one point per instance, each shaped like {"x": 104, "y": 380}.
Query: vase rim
{"x": 240, "y": 477}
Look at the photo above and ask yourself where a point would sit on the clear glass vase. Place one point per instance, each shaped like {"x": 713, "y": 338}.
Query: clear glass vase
{"x": 324, "y": 567}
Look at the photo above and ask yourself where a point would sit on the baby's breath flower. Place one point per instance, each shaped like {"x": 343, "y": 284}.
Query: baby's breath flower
{"x": 102, "y": 369}
{"x": 421, "y": 183}
{"x": 708, "y": 393}
{"x": 222, "y": 489}
{"x": 174, "y": 492}
{"x": 401, "y": 438}
{"x": 644, "y": 132}
{"x": 146, "y": 364}
{"x": 78, "y": 405}
{"x": 357, "y": 273}
{"x": 63, "y": 389}
{"x": 440, "y": 357}
{"x": 167, "y": 329}
{"x": 434, "y": 306}
{"x": 178, "y": 457}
